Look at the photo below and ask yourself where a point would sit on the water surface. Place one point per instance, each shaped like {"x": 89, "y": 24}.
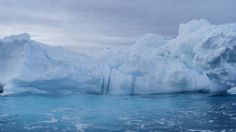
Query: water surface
{"x": 170, "y": 112}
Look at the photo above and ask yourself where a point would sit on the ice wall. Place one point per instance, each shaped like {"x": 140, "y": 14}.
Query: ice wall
{"x": 29, "y": 66}
{"x": 201, "y": 58}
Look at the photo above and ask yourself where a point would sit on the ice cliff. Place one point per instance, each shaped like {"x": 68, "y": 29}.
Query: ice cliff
{"x": 29, "y": 66}
{"x": 201, "y": 58}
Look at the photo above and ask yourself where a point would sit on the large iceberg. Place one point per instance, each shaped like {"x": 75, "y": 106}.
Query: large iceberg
{"x": 29, "y": 66}
{"x": 201, "y": 58}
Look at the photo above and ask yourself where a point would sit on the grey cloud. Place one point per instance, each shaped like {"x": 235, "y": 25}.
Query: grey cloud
{"x": 109, "y": 22}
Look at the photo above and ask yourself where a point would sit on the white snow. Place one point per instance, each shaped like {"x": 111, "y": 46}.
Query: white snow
{"x": 201, "y": 58}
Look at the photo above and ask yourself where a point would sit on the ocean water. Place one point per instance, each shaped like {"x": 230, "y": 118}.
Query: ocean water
{"x": 92, "y": 113}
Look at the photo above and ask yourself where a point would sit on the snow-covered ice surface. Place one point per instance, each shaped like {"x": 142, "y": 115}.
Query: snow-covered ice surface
{"x": 201, "y": 58}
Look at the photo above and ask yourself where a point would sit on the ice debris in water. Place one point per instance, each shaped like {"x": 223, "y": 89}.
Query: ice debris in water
{"x": 201, "y": 58}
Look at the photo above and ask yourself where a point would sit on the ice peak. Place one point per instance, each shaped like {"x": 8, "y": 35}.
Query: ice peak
{"x": 24, "y": 37}
{"x": 193, "y": 26}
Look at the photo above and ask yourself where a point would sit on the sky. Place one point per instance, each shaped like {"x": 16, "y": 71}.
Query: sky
{"x": 104, "y": 23}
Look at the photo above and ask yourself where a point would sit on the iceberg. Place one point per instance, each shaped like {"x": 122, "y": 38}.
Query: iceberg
{"x": 29, "y": 66}
{"x": 202, "y": 58}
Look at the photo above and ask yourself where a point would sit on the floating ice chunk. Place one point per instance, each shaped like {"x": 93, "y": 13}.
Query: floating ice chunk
{"x": 200, "y": 58}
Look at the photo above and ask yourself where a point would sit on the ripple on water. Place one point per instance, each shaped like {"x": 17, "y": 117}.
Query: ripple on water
{"x": 187, "y": 112}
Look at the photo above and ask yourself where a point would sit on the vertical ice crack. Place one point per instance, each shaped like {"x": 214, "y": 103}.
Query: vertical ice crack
{"x": 133, "y": 85}
{"x": 108, "y": 82}
{"x": 102, "y": 89}
{"x": 1, "y": 88}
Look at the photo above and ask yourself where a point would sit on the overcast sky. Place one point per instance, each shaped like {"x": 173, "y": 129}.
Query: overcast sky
{"x": 106, "y": 22}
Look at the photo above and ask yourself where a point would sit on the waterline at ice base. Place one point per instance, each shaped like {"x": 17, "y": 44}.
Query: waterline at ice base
{"x": 202, "y": 58}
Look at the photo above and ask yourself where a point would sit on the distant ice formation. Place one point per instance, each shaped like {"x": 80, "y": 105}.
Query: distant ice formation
{"x": 201, "y": 58}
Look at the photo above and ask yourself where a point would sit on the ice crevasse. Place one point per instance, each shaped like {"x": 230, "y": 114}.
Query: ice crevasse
{"x": 201, "y": 58}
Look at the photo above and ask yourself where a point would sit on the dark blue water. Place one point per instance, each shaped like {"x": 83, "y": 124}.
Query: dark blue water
{"x": 173, "y": 112}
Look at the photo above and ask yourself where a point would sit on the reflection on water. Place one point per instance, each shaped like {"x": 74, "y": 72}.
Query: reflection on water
{"x": 173, "y": 112}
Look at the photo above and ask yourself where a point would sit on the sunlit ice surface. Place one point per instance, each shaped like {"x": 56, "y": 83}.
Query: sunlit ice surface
{"x": 168, "y": 112}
